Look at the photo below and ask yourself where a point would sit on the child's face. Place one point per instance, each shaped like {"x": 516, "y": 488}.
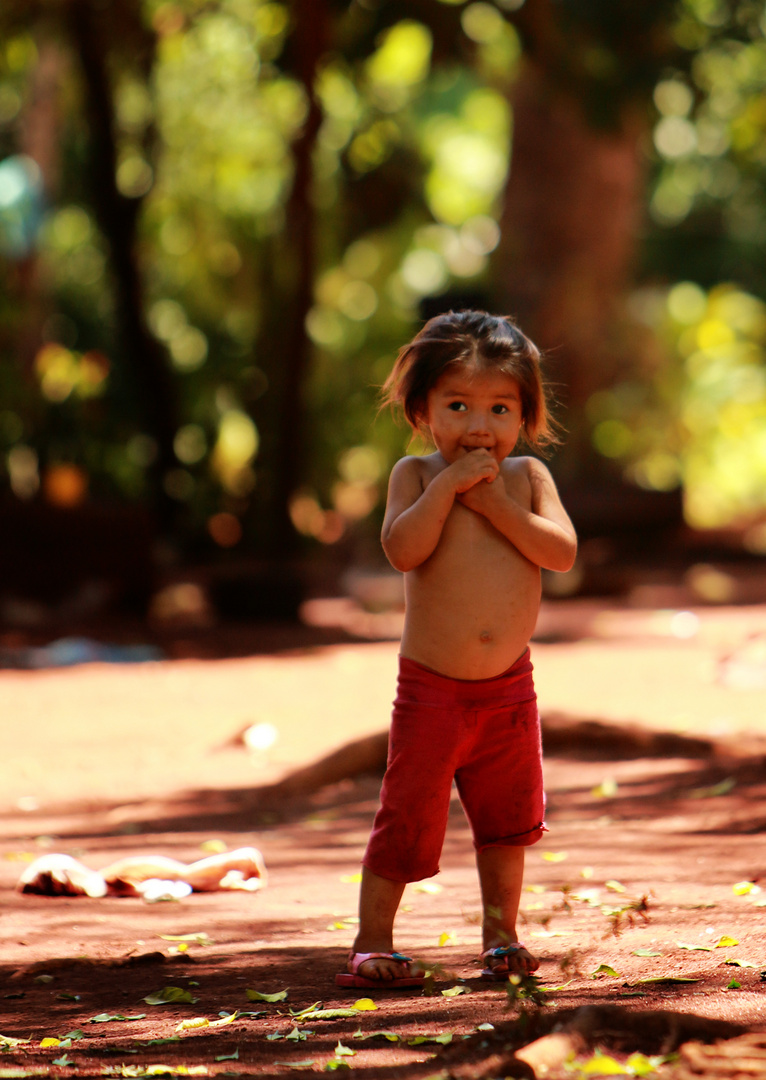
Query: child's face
{"x": 469, "y": 408}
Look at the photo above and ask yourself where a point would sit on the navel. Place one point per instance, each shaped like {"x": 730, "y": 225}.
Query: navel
{"x": 485, "y": 635}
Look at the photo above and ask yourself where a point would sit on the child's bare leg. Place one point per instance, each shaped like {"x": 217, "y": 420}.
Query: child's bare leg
{"x": 501, "y": 871}
{"x": 379, "y": 900}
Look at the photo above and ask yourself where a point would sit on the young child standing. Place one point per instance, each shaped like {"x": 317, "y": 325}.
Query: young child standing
{"x": 470, "y": 527}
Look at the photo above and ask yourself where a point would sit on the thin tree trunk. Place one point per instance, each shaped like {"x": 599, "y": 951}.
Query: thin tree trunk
{"x": 117, "y": 216}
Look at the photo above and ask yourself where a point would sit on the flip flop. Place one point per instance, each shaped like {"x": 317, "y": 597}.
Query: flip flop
{"x": 353, "y": 978}
{"x": 500, "y": 952}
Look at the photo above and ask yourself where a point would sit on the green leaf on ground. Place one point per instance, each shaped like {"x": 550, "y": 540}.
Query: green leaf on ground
{"x": 104, "y": 1018}
{"x": 229, "y": 1057}
{"x": 739, "y": 963}
{"x": 443, "y": 1039}
{"x": 344, "y": 1051}
{"x": 664, "y": 979}
{"x": 715, "y": 791}
{"x": 170, "y": 994}
{"x": 256, "y": 995}
{"x": 454, "y": 991}
{"x": 200, "y": 938}
{"x": 646, "y": 952}
{"x": 615, "y": 886}
{"x": 62, "y": 1061}
{"x": 296, "y": 1035}
{"x": 390, "y": 1036}
{"x": 605, "y": 969}
{"x": 734, "y": 985}
{"x": 297, "y": 1064}
{"x": 694, "y": 948}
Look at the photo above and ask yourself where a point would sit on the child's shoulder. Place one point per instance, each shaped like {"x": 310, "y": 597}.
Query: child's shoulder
{"x": 418, "y": 465}
{"x": 526, "y": 466}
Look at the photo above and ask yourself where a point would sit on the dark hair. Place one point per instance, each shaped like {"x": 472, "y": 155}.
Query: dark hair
{"x": 463, "y": 339}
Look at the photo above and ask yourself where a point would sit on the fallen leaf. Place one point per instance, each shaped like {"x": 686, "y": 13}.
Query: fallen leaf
{"x": 722, "y": 788}
{"x": 443, "y": 1039}
{"x": 256, "y": 995}
{"x": 9, "y": 1040}
{"x": 62, "y": 1061}
{"x": 486, "y": 1027}
{"x": 694, "y": 948}
{"x": 390, "y": 1036}
{"x": 665, "y": 979}
{"x": 170, "y": 994}
{"x": 229, "y": 1057}
{"x": 351, "y": 879}
{"x": 104, "y": 1018}
{"x": 745, "y": 888}
{"x": 296, "y": 1064}
{"x": 603, "y": 1065}
{"x": 455, "y": 990}
{"x": 364, "y": 1005}
{"x": 555, "y": 856}
{"x": 734, "y": 985}
{"x": 447, "y": 938}
{"x": 607, "y": 789}
{"x": 214, "y": 847}
{"x": 739, "y": 963}
{"x": 646, "y": 952}
{"x": 48, "y": 1042}
{"x": 344, "y": 1051}
{"x": 605, "y": 969}
{"x": 194, "y": 1022}
{"x": 313, "y": 1013}
{"x": 296, "y": 1035}
{"x": 615, "y": 886}
{"x": 200, "y": 938}
{"x": 427, "y": 887}
{"x": 726, "y": 942}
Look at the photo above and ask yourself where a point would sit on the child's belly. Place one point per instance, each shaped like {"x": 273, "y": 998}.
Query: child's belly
{"x": 471, "y": 607}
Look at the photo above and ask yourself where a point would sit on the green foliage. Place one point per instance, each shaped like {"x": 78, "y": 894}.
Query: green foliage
{"x": 413, "y": 139}
{"x": 701, "y": 420}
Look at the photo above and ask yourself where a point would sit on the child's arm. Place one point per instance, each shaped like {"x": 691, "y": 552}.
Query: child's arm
{"x": 544, "y": 533}
{"x": 415, "y": 514}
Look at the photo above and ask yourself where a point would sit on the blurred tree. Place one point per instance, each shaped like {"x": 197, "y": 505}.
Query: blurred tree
{"x": 249, "y": 203}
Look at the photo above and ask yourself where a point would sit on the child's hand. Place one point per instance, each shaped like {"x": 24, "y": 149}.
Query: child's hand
{"x": 471, "y": 468}
{"x": 484, "y": 497}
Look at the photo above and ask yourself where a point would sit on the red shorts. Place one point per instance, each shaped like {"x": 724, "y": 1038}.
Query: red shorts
{"x": 484, "y": 734}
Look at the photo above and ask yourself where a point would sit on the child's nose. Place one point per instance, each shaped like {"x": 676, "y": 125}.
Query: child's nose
{"x": 478, "y": 421}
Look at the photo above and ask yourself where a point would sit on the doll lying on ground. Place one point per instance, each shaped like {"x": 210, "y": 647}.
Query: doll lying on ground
{"x": 154, "y": 877}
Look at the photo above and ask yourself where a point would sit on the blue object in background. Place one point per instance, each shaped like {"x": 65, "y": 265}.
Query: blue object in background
{"x": 21, "y": 205}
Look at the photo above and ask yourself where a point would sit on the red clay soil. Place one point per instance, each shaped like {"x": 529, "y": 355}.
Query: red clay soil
{"x": 646, "y": 898}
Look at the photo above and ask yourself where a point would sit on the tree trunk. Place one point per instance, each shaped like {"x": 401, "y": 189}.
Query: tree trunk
{"x": 285, "y": 349}
{"x": 568, "y": 240}
{"x": 117, "y": 216}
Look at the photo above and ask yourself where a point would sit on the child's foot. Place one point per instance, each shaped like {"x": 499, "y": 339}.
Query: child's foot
{"x": 504, "y": 960}
{"x": 379, "y": 970}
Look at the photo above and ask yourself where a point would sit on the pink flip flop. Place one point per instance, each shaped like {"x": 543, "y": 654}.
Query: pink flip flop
{"x": 353, "y": 978}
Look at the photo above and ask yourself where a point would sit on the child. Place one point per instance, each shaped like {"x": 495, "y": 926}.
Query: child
{"x": 470, "y": 527}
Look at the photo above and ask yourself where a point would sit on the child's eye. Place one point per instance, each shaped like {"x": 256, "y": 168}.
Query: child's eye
{"x": 500, "y": 409}
{"x": 457, "y": 406}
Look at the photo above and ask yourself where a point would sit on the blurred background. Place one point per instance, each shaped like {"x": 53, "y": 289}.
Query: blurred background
{"x": 220, "y": 219}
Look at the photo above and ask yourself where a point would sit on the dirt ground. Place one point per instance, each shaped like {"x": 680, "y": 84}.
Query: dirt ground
{"x": 647, "y": 894}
